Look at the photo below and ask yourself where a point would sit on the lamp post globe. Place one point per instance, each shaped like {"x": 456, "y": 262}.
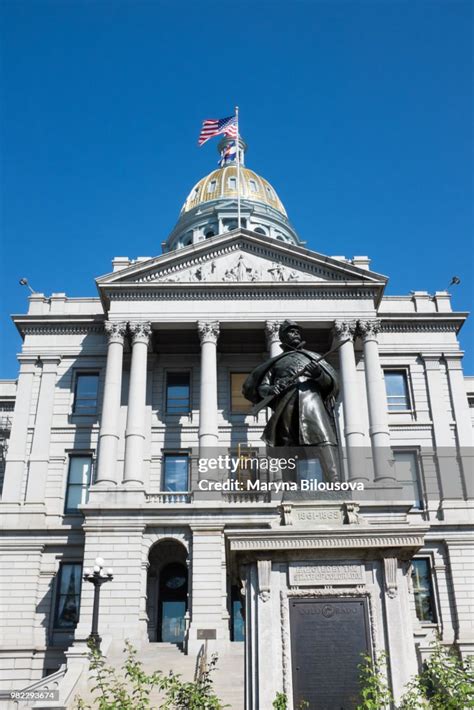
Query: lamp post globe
{"x": 97, "y": 577}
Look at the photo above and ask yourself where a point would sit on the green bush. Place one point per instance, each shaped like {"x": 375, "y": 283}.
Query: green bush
{"x": 130, "y": 688}
{"x": 374, "y": 689}
{"x": 281, "y": 703}
{"x": 445, "y": 682}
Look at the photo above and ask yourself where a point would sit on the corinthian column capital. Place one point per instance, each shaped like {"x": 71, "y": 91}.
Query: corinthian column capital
{"x": 271, "y": 331}
{"x": 369, "y": 329}
{"x": 140, "y": 331}
{"x": 344, "y": 329}
{"x": 115, "y": 331}
{"x": 208, "y": 331}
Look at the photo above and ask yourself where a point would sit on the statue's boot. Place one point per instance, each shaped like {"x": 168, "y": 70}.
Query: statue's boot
{"x": 328, "y": 456}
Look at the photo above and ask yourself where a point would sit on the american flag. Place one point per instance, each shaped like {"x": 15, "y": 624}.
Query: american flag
{"x": 214, "y": 126}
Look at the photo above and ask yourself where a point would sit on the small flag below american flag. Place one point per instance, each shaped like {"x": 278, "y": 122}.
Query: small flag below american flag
{"x": 228, "y": 154}
{"x": 215, "y": 126}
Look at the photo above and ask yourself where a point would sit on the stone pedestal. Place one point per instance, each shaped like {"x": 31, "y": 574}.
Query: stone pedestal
{"x": 331, "y": 569}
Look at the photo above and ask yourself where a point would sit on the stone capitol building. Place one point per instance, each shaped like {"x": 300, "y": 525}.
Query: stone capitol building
{"x": 120, "y": 397}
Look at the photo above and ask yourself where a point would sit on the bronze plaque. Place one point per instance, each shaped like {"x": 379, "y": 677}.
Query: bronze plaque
{"x": 328, "y": 636}
{"x": 203, "y": 634}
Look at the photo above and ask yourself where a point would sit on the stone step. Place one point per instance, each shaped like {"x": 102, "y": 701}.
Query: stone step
{"x": 228, "y": 677}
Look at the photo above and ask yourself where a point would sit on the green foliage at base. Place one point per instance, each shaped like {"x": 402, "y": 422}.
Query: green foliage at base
{"x": 130, "y": 687}
{"x": 281, "y": 703}
{"x": 444, "y": 683}
{"x": 374, "y": 691}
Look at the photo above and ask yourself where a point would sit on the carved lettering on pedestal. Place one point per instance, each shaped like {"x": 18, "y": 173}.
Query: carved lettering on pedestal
{"x": 313, "y": 574}
{"x": 309, "y": 517}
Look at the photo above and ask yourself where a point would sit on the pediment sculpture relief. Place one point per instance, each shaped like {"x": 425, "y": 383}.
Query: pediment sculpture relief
{"x": 242, "y": 270}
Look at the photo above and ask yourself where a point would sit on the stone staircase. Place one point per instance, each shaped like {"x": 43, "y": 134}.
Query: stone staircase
{"x": 228, "y": 677}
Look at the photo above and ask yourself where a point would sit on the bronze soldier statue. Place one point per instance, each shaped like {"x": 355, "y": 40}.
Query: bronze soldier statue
{"x": 300, "y": 388}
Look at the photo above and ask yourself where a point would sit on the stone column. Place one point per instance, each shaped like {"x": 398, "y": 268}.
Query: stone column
{"x": 377, "y": 403}
{"x": 398, "y": 624}
{"x": 445, "y": 443}
{"x": 39, "y": 456}
{"x": 16, "y": 455}
{"x": 273, "y": 340}
{"x": 462, "y": 417}
{"x": 135, "y": 429}
{"x": 109, "y": 433}
{"x": 353, "y": 429}
{"x": 208, "y": 335}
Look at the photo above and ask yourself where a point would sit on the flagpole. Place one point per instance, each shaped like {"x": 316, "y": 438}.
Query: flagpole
{"x": 238, "y": 166}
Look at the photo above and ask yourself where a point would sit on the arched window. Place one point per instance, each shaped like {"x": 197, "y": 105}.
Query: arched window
{"x": 260, "y": 230}
{"x": 209, "y": 233}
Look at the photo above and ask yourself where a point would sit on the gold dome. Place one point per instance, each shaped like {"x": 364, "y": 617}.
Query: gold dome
{"x": 222, "y": 184}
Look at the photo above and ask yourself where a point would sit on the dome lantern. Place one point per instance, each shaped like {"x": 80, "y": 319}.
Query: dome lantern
{"x": 227, "y": 150}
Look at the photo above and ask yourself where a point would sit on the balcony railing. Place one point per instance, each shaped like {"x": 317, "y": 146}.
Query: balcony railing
{"x": 247, "y": 497}
{"x": 169, "y": 497}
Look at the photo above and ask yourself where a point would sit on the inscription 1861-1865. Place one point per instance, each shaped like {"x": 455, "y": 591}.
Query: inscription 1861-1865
{"x": 327, "y": 638}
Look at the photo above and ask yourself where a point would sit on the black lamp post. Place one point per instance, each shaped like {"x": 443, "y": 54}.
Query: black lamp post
{"x": 98, "y": 576}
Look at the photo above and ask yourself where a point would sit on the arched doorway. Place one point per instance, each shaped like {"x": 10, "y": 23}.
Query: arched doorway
{"x": 167, "y": 592}
{"x": 172, "y": 603}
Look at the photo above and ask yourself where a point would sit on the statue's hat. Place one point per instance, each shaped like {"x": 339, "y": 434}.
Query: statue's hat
{"x": 286, "y": 325}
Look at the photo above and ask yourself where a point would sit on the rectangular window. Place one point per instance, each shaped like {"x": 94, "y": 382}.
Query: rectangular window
{"x": 78, "y": 482}
{"x": 177, "y": 392}
{"x": 238, "y": 403}
{"x": 85, "y": 393}
{"x": 407, "y": 475}
{"x": 253, "y": 185}
{"x": 175, "y": 472}
{"x": 396, "y": 385}
{"x": 423, "y": 590}
{"x": 68, "y": 595}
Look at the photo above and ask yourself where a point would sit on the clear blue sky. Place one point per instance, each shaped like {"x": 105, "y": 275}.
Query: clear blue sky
{"x": 359, "y": 113}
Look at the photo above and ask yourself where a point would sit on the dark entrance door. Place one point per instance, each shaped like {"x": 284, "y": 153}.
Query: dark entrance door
{"x": 327, "y": 638}
{"x": 172, "y": 603}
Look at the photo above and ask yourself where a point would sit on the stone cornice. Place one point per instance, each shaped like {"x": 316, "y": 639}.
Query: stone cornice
{"x": 240, "y": 291}
{"x": 428, "y": 323}
{"x": 336, "y": 538}
{"x": 62, "y": 324}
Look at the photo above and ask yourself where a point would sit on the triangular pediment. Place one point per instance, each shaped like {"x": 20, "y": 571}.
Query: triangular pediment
{"x": 240, "y": 256}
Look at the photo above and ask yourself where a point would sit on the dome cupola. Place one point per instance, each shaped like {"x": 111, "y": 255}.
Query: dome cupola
{"x": 211, "y": 207}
